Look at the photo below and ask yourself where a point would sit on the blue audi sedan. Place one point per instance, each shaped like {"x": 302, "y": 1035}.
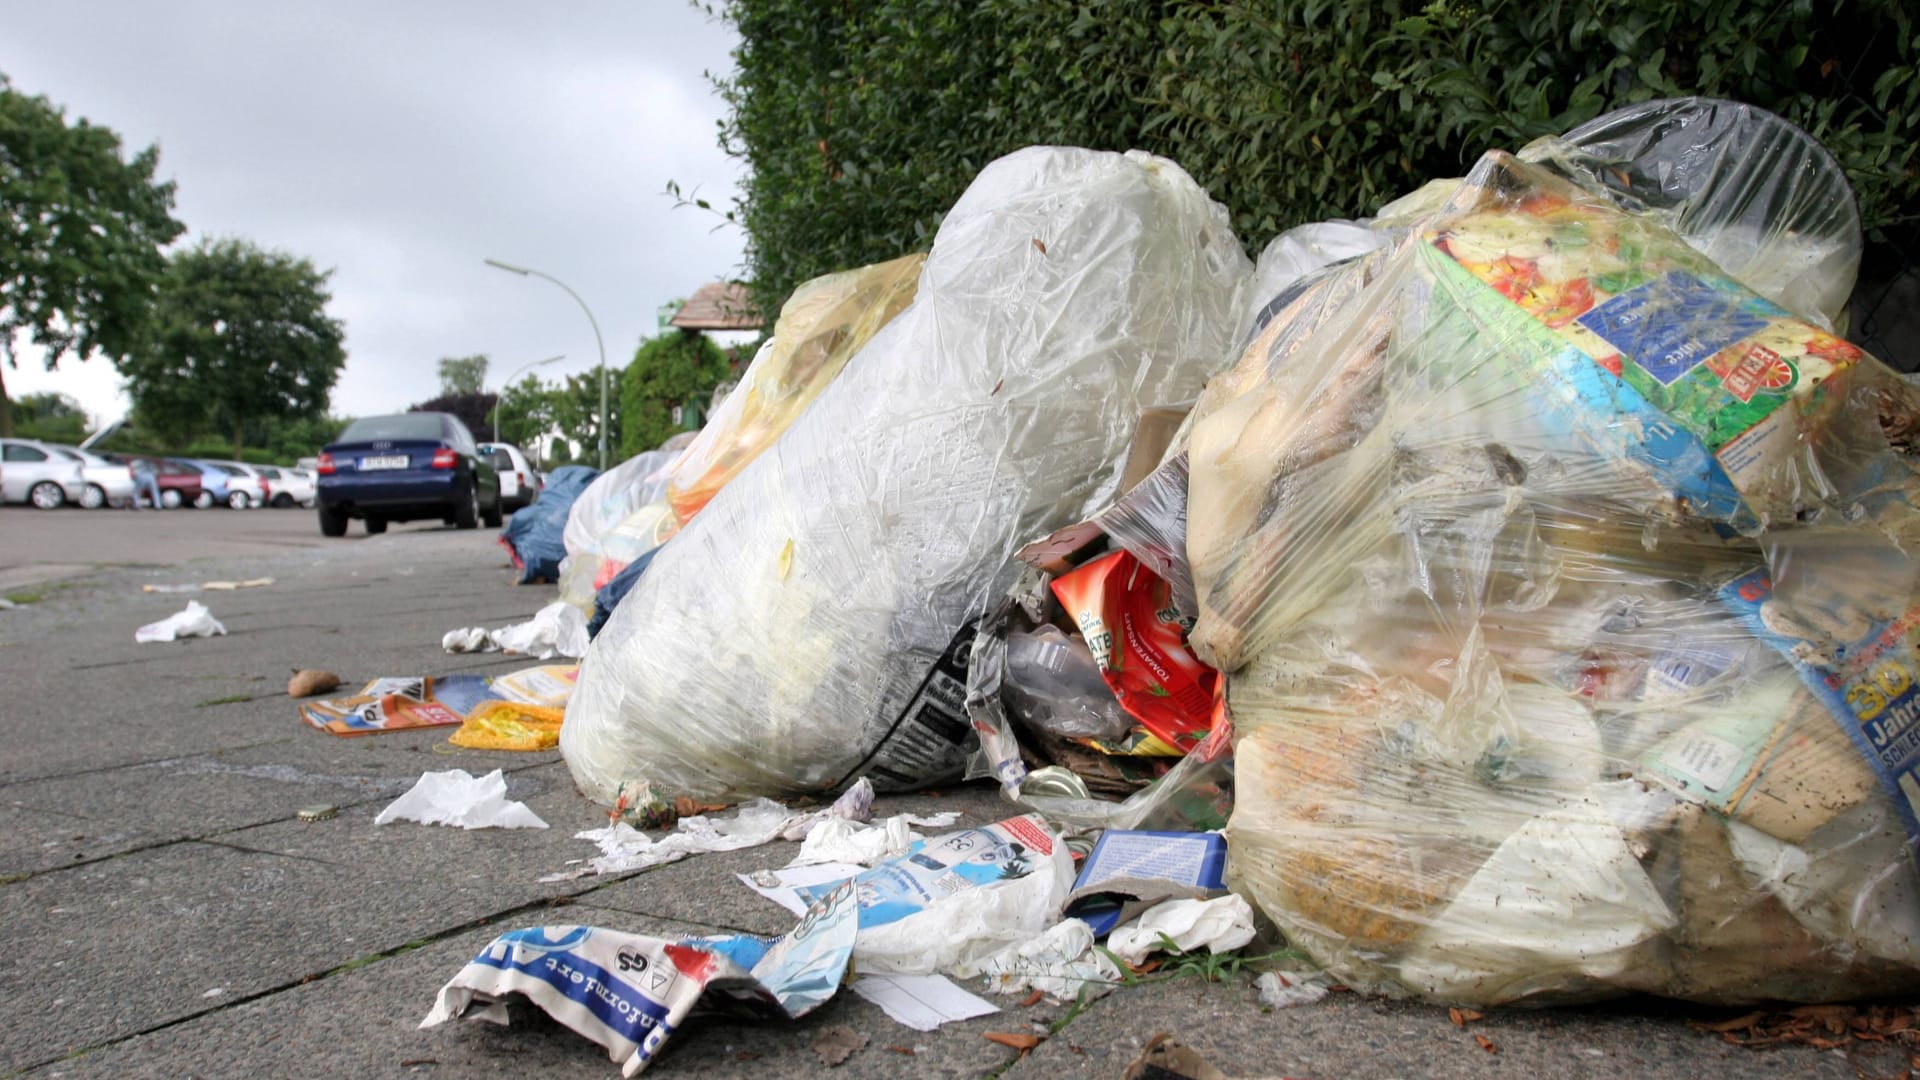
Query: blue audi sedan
{"x": 406, "y": 467}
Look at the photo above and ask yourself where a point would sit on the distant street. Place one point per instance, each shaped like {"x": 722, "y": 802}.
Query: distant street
{"x": 43, "y": 545}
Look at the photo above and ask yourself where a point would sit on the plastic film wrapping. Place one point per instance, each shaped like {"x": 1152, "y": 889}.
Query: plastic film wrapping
{"x": 1562, "y": 587}
{"x": 807, "y": 626}
{"x": 821, "y": 326}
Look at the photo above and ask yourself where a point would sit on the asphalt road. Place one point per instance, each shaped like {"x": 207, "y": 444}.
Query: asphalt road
{"x": 163, "y": 912}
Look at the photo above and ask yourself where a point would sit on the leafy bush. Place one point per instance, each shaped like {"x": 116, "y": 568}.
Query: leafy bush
{"x": 860, "y": 123}
{"x": 674, "y": 369}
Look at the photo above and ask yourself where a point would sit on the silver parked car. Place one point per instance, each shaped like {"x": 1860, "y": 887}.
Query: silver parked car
{"x": 108, "y": 483}
{"x": 31, "y": 473}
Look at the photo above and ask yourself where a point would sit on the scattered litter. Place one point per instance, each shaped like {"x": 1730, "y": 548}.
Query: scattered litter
{"x": 509, "y": 725}
{"x": 1060, "y": 963}
{"x": 215, "y": 992}
{"x": 783, "y": 886}
{"x": 1285, "y": 989}
{"x": 843, "y": 841}
{"x": 307, "y": 682}
{"x": 393, "y": 703}
{"x": 192, "y": 621}
{"x": 629, "y": 993}
{"x": 457, "y": 797}
{"x": 836, "y": 1044}
{"x": 1130, "y": 871}
{"x": 317, "y": 812}
{"x": 6, "y": 604}
{"x": 559, "y": 629}
{"x": 1220, "y": 925}
{"x": 624, "y": 848}
{"x": 922, "y": 1002}
{"x": 210, "y": 586}
{"x": 1015, "y": 1039}
{"x": 958, "y": 898}
{"x": 518, "y": 711}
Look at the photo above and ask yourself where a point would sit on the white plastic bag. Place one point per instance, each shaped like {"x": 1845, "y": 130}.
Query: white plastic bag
{"x": 193, "y": 621}
{"x": 791, "y": 637}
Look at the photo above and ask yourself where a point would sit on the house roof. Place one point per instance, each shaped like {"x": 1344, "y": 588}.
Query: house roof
{"x": 718, "y": 305}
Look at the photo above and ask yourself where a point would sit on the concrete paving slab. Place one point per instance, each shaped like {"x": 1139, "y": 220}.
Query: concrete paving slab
{"x": 1348, "y": 1035}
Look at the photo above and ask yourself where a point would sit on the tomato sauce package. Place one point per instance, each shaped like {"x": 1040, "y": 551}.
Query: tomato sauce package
{"x": 1127, "y": 615}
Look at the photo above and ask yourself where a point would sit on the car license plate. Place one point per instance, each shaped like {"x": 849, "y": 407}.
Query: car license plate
{"x": 390, "y": 461}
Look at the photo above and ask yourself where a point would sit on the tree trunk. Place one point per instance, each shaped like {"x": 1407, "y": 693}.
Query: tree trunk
{"x": 6, "y": 408}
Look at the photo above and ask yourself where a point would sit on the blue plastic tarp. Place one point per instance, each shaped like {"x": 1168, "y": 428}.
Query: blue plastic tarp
{"x": 533, "y": 537}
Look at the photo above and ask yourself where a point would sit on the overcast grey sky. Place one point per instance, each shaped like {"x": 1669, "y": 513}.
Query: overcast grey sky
{"x": 401, "y": 143}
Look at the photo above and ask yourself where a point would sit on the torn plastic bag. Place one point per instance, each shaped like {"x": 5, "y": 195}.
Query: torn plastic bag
{"x": 533, "y": 537}
{"x": 1751, "y": 191}
{"x": 194, "y": 620}
{"x": 1558, "y": 583}
{"x": 820, "y": 601}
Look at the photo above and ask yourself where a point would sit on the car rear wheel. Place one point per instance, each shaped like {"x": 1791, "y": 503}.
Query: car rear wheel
{"x": 466, "y": 512}
{"x": 491, "y": 515}
{"x": 376, "y": 526}
{"x": 47, "y": 495}
{"x": 203, "y": 500}
{"x": 238, "y": 500}
{"x": 282, "y": 501}
{"x": 333, "y": 521}
{"x": 169, "y": 498}
{"x": 93, "y": 498}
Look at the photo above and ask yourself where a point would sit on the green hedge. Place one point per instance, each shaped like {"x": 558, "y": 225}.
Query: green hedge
{"x": 861, "y": 122}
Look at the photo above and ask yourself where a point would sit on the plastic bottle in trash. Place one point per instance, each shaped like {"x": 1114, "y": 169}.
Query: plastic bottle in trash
{"x": 1054, "y": 684}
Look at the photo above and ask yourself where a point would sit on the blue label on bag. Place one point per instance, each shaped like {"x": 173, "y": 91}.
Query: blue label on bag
{"x": 1672, "y": 325}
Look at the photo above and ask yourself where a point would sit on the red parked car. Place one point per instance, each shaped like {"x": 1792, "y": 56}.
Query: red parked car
{"x": 179, "y": 484}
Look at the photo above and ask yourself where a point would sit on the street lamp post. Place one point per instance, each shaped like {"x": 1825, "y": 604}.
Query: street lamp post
{"x": 600, "y": 344}
{"x": 507, "y": 384}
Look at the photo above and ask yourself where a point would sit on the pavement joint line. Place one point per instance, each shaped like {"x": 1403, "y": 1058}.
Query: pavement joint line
{"x": 210, "y": 841}
{"x": 433, "y": 938}
{"x": 208, "y": 838}
{"x": 141, "y": 764}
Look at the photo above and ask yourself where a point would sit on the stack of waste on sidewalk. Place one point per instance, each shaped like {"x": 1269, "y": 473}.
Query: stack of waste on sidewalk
{"x": 521, "y": 710}
{"x": 810, "y": 625}
{"x": 535, "y": 536}
{"x": 1507, "y": 598}
{"x": 824, "y": 323}
{"x": 612, "y": 498}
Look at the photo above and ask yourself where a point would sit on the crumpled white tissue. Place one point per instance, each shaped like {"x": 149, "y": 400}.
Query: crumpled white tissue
{"x": 1060, "y": 963}
{"x": 194, "y": 621}
{"x": 1285, "y": 989}
{"x": 555, "y": 630}
{"x": 624, "y": 848}
{"x": 457, "y": 797}
{"x": 1221, "y": 924}
{"x": 839, "y": 839}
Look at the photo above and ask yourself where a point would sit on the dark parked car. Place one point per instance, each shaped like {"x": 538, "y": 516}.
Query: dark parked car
{"x": 406, "y": 467}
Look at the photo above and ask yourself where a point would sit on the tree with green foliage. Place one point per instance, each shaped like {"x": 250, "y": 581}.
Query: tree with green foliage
{"x": 860, "y": 123}
{"x": 81, "y": 228}
{"x": 473, "y": 410}
{"x": 674, "y": 370}
{"x": 463, "y": 374}
{"x": 525, "y": 412}
{"x": 241, "y": 337}
{"x": 576, "y": 409}
{"x": 51, "y": 417}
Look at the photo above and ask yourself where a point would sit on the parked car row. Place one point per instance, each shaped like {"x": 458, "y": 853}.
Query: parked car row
{"x": 49, "y": 476}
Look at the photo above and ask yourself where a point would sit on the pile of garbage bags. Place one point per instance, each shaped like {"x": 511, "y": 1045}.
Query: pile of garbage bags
{"x": 803, "y": 629}
{"x": 1525, "y": 569}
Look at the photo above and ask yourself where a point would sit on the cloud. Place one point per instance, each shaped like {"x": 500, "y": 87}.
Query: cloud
{"x": 400, "y": 144}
